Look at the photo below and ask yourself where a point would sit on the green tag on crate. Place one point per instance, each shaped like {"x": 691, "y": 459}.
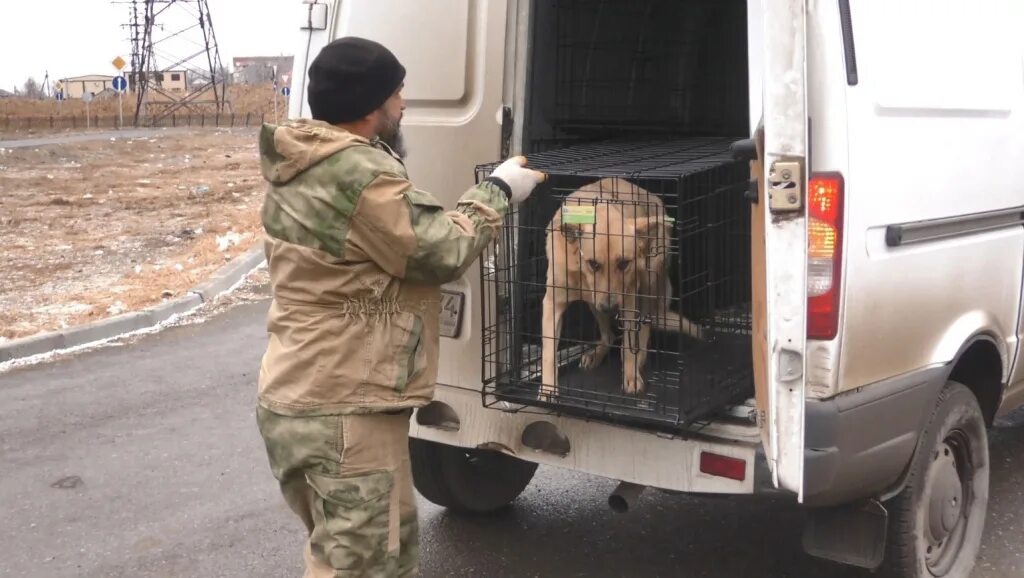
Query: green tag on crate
{"x": 579, "y": 215}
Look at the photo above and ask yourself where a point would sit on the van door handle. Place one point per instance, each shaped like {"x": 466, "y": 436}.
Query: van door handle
{"x": 507, "y": 123}
{"x": 744, "y": 150}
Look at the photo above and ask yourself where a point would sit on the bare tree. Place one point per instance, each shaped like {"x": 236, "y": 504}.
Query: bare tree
{"x": 32, "y": 89}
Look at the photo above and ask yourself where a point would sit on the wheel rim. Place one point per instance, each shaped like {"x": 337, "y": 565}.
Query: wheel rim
{"x": 947, "y": 502}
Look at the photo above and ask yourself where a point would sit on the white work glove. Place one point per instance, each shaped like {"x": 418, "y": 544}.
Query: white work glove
{"x": 520, "y": 180}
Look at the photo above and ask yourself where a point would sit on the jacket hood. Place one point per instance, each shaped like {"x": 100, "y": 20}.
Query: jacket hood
{"x": 288, "y": 149}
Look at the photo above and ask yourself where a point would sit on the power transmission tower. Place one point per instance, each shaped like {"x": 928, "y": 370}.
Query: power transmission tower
{"x": 175, "y": 60}
{"x": 45, "y": 88}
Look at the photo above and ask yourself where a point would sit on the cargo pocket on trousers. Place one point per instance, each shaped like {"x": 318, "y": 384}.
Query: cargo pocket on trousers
{"x": 352, "y": 519}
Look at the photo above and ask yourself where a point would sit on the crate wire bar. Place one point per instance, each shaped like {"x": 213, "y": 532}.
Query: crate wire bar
{"x": 649, "y": 66}
{"x": 704, "y": 255}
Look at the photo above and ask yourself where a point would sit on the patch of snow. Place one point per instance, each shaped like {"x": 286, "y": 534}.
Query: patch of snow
{"x": 228, "y": 240}
{"x": 64, "y": 309}
{"x": 117, "y": 308}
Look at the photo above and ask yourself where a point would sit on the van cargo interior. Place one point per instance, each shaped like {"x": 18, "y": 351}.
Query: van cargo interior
{"x": 652, "y": 92}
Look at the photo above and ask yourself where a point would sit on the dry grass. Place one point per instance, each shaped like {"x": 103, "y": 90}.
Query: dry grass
{"x": 244, "y": 99}
{"x": 94, "y": 229}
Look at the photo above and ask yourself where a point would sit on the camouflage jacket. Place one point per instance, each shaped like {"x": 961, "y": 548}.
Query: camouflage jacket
{"x": 356, "y": 256}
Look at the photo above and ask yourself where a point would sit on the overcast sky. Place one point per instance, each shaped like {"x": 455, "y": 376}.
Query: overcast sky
{"x": 76, "y": 37}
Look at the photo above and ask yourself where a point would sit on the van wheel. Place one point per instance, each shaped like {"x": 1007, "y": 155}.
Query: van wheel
{"x": 937, "y": 520}
{"x": 467, "y": 480}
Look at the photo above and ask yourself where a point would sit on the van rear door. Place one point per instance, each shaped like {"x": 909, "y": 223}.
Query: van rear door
{"x": 454, "y": 55}
{"x": 780, "y": 242}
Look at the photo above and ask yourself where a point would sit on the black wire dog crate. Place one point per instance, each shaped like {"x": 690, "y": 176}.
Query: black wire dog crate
{"x": 669, "y": 272}
{"x": 607, "y": 67}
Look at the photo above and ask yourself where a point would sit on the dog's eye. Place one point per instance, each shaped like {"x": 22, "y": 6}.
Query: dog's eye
{"x": 624, "y": 264}
{"x": 594, "y": 265}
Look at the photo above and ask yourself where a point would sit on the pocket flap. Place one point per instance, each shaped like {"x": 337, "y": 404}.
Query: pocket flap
{"x": 423, "y": 199}
{"x": 350, "y": 491}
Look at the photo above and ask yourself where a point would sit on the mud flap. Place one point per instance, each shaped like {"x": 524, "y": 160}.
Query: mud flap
{"x": 851, "y": 534}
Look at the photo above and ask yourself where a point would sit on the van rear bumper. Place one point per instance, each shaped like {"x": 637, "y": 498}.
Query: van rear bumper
{"x": 859, "y": 443}
{"x": 457, "y": 417}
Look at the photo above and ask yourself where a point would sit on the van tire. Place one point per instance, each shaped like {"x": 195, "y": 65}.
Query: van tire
{"x": 470, "y": 481}
{"x": 936, "y": 521}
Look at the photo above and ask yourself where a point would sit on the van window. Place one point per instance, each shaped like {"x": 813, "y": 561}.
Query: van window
{"x": 434, "y": 54}
{"x": 955, "y": 55}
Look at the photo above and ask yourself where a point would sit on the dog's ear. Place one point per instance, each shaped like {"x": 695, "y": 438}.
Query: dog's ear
{"x": 571, "y": 232}
{"x": 644, "y": 224}
{"x": 649, "y": 234}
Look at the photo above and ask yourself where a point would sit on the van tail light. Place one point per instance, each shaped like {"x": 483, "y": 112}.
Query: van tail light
{"x": 824, "y": 254}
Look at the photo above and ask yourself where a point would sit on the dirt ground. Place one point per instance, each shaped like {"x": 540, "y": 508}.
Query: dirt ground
{"x": 94, "y": 229}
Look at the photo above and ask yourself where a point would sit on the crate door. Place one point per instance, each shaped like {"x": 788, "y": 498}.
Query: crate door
{"x": 780, "y": 243}
{"x": 454, "y": 55}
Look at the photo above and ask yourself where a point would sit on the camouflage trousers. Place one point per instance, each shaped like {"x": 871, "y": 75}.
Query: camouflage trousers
{"x": 348, "y": 478}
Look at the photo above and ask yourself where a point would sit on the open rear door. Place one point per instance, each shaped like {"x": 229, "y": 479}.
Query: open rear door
{"x": 454, "y": 54}
{"x": 780, "y": 243}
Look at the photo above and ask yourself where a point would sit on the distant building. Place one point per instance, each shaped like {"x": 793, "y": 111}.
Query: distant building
{"x": 5, "y": 94}
{"x": 260, "y": 69}
{"x": 77, "y": 86}
{"x": 174, "y": 82}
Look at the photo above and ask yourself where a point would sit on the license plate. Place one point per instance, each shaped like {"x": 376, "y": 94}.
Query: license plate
{"x": 451, "y": 313}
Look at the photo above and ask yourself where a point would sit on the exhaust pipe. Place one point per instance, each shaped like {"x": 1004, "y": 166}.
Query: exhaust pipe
{"x": 625, "y": 495}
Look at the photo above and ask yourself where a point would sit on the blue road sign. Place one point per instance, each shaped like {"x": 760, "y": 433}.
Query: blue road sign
{"x": 120, "y": 83}
{"x": 286, "y": 91}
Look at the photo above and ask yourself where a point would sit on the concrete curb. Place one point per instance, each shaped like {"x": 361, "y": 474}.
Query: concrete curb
{"x": 222, "y": 280}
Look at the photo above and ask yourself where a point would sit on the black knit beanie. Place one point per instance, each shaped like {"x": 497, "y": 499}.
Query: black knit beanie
{"x": 350, "y": 78}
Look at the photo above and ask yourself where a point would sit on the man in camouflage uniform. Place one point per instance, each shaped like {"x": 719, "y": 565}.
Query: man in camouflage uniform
{"x": 356, "y": 256}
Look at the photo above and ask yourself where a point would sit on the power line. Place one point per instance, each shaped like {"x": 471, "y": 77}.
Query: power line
{"x": 185, "y": 22}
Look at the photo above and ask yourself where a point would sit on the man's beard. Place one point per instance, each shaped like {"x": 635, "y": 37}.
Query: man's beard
{"x": 391, "y": 135}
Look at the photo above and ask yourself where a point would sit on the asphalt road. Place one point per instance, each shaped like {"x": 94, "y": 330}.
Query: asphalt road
{"x": 144, "y": 461}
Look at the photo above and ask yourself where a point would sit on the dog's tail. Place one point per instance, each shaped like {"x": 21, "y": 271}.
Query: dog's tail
{"x": 671, "y": 321}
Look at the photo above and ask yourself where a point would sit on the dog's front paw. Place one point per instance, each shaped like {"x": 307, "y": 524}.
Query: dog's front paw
{"x": 593, "y": 358}
{"x": 633, "y": 384}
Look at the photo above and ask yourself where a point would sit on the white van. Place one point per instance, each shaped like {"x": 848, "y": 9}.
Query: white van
{"x": 846, "y": 182}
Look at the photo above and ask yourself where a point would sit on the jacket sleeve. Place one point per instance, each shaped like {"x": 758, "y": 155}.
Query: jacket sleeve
{"x": 408, "y": 233}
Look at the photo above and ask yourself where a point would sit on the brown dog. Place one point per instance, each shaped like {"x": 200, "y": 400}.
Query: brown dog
{"x": 610, "y": 254}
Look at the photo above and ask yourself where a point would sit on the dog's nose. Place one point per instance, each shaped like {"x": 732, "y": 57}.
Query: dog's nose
{"x": 608, "y": 307}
